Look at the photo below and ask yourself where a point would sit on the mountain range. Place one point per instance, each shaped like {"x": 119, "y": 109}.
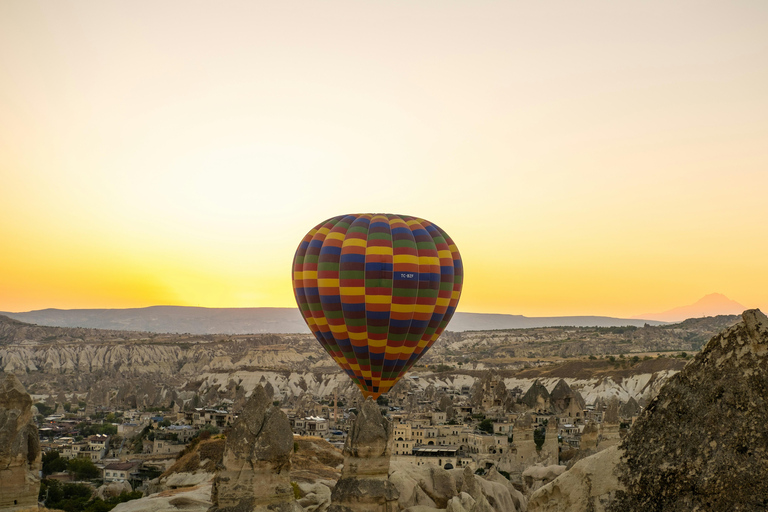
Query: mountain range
{"x": 197, "y": 320}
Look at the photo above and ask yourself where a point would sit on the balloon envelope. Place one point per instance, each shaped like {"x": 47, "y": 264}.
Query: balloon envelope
{"x": 377, "y": 290}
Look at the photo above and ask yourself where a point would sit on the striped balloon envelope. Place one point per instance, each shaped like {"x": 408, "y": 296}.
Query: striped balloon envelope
{"x": 377, "y": 290}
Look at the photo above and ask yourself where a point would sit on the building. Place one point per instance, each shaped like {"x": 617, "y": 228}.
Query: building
{"x": 311, "y": 426}
{"x": 120, "y": 471}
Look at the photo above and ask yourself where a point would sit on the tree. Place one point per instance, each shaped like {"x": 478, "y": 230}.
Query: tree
{"x": 539, "y": 435}
{"x": 486, "y": 426}
{"x": 53, "y": 463}
{"x": 44, "y": 409}
{"x": 83, "y": 469}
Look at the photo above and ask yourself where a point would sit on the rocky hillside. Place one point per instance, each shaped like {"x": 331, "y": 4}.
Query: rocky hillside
{"x": 137, "y": 369}
{"x": 503, "y": 346}
{"x": 702, "y": 444}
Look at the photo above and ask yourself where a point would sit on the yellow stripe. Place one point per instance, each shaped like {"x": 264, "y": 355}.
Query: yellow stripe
{"x": 335, "y": 236}
{"x": 310, "y": 274}
{"x": 358, "y": 336}
{"x": 354, "y": 242}
{"x": 413, "y": 222}
{"x": 453, "y": 248}
{"x": 405, "y": 258}
{"x": 328, "y": 283}
{"x": 352, "y": 290}
{"x": 354, "y": 366}
{"x": 402, "y": 308}
{"x": 377, "y": 343}
{"x": 338, "y": 329}
{"x": 428, "y": 260}
{"x": 443, "y": 302}
{"x": 378, "y": 250}
{"x": 378, "y": 299}
{"x": 423, "y": 308}
{"x": 323, "y": 231}
{"x": 445, "y": 254}
{"x": 321, "y": 321}
{"x": 398, "y": 350}
{"x": 455, "y": 295}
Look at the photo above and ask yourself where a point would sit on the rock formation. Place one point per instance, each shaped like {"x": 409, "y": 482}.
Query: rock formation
{"x": 20, "y": 459}
{"x": 564, "y": 399}
{"x": 629, "y": 409}
{"x": 255, "y": 472}
{"x": 537, "y": 397}
{"x": 702, "y": 443}
{"x": 364, "y": 485}
{"x": 587, "y": 487}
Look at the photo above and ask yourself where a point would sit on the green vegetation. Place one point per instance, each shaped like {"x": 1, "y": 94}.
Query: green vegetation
{"x": 53, "y": 463}
{"x": 83, "y": 469}
{"x": 91, "y": 430}
{"x": 77, "y": 497}
{"x": 539, "y": 435}
{"x": 486, "y": 426}
{"x": 44, "y": 409}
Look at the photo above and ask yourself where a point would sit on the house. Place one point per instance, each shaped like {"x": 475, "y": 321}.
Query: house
{"x": 120, "y": 471}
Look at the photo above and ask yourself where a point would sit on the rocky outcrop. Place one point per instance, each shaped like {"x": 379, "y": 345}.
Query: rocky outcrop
{"x": 587, "y": 487}
{"x": 702, "y": 443}
{"x": 537, "y": 397}
{"x": 565, "y": 399}
{"x": 20, "y": 459}
{"x": 255, "y": 472}
{"x": 539, "y": 475}
{"x": 630, "y": 408}
{"x": 364, "y": 485}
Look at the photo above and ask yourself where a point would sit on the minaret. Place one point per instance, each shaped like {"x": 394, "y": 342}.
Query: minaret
{"x": 335, "y": 407}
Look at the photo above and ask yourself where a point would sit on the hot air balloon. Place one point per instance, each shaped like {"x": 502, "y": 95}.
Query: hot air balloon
{"x": 377, "y": 290}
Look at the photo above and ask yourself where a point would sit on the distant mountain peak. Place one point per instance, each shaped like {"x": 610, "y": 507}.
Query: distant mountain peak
{"x": 712, "y": 304}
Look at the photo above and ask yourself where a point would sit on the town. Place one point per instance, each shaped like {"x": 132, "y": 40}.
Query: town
{"x": 481, "y": 427}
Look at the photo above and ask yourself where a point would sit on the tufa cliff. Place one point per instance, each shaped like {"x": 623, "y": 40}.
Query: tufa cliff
{"x": 255, "y": 471}
{"x": 364, "y": 485}
{"x": 20, "y": 459}
{"x": 702, "y": 443}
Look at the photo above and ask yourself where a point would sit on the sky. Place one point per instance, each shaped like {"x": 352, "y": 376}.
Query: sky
{"x": 588, "y": 158}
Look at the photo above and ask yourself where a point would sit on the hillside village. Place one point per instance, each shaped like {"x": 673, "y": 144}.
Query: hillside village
{"x": 482, "y": 427}
{"x": 123, "y": 411}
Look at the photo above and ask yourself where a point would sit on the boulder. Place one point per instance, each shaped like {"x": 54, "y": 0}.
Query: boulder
{"x": 112, "y": 490}
{"x": 20, "y": 458}
{"x": 518, "y": 498}
{"x": 537, "y": 476}
{"x": 588, "y": 486}
{"x": 255, "y": 472}
{"x": 316, "y": 497}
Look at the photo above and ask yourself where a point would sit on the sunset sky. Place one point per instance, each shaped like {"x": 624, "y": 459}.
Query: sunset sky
{"x": 606, "y": 158}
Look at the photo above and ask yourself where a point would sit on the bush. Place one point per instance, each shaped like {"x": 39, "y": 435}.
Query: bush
{"x": 53, "y": 463}
{"x": 44, "y": 409}
{"x": 77, "y": 497}
{"x": 83, "y": 469}
{"x": 486, "y": 426}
